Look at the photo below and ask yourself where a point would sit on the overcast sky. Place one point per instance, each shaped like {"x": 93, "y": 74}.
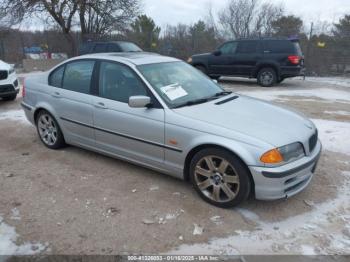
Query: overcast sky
{"x": 189, "y": 11}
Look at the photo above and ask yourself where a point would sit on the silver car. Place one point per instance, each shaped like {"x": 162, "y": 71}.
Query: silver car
{"x": 161, "y": 113}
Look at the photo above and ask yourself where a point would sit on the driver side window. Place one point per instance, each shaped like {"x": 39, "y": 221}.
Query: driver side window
{"x": 229, "y": 48}
{"x": 118, "y": 82}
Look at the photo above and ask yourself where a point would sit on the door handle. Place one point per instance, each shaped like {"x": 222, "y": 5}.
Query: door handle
{"x": 56, "y": 95}
{"x": 100, "y": 105}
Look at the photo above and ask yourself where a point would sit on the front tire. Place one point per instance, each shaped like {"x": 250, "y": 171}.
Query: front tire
{"x": 220, "y": 178}
{"x": 49, "y": 131}
{"x": 267, "y": 77}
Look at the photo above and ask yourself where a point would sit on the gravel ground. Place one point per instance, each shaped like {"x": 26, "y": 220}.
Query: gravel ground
{"x": 74, "y": 201}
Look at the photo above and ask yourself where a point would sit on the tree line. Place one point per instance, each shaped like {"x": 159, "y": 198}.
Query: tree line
{"x": 69, "y": 23}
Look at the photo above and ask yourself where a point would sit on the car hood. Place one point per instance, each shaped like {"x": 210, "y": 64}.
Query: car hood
{"x": 261, "y": 120}
{"x": 4, "y": 66}
{"x": 201, "y": 55}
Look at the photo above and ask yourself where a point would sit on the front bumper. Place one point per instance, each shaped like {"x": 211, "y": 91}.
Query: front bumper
{"x": 9, "y": 86}
{"x": 285, "y": 181}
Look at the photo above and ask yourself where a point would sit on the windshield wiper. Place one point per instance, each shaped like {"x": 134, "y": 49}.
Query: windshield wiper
{"x": 193, "y": 102}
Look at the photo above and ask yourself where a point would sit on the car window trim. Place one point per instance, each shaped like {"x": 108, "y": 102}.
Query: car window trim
{"x": 154, "y": 99}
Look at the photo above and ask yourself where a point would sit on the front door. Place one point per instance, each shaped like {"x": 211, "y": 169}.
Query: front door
{"x": 222, "y": 62}
{"x": 133, "y": 133}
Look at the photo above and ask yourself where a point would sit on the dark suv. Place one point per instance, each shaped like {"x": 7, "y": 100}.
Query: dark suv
{"x": 267, "y": 59}
{"x": 108, "y": 47}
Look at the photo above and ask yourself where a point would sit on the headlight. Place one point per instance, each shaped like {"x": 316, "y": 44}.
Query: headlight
{"x": 284, "y": 154}
{"x": 11, "y": 71}
{"x": 189, "y": 60}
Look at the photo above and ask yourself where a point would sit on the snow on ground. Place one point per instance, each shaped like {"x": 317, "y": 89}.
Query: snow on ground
{"x": 339, "y": 81}
{"x": 340, "y": 113}
{"x": 330, "y": 95}
{"x": 9, "y": 246}
{"x": 14, "y": 115}
{"x": 302, "y": 234}
{"x": 334, "y": 135}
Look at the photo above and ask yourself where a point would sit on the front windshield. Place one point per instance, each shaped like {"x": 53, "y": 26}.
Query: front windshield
{"x": 129, "y": 47}
{"x": 179, "y": 83}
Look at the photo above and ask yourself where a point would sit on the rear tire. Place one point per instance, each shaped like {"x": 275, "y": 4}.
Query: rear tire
{"x": 267, "y": 77}
{"x": 9, "y": 98}
{"x": 49, "y": 131}
{"x": 220, "y": 178}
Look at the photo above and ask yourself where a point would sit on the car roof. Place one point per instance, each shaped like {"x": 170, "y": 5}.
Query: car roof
{"x": 266, "y": 39}
{"x": 136, "y": 58}
{"x": 109, "y": 42}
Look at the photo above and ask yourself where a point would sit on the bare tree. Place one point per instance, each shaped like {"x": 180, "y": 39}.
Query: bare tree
{"x": 266, "y": 15}
{"x": 237, "y": 18}
{"x": 62, "y": 12}
{"x": 247, "y": 18}
{"x": 104, "y": 16}
{"x": 95, "y": 17}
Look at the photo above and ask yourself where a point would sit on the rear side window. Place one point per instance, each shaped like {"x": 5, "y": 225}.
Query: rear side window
{"x": 56, "y": 77}
{"x": 298, "y": 48}
{"x": 100, "y": 48}
{"x": 247, "y": 47}
{"x": 77, "y": 76}
{"x": 280, "y": 47}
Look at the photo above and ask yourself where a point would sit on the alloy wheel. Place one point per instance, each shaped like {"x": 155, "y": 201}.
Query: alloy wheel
{"x": 217, "y": 179}
{"x": 47, "y": 129}
{"x": 266, "y": 78}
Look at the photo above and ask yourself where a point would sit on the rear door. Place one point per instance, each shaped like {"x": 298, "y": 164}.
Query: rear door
{"x": 223, "y": 63}
{"x": 72, "y": 101}
{"x": 247, "y": 55}
{"x": 134, "y": 133}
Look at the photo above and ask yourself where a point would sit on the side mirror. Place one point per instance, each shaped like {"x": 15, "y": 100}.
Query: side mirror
{"x": 217, "y": 53}
{"x": 139, "y": 101}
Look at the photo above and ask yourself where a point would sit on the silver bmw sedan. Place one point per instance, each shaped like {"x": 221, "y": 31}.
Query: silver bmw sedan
{"x": 163, "y": 114}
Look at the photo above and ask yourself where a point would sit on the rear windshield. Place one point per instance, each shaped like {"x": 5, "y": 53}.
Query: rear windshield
{"x": 282, "y": 47}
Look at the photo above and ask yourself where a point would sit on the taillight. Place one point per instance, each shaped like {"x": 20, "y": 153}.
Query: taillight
{"x": 23, "y": 89}
{"x": 294, "y": 59}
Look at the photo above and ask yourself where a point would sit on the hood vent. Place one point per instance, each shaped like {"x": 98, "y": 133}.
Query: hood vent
{"x": 226, "y": 100}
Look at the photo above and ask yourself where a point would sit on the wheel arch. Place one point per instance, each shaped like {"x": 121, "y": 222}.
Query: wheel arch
{"x": 38, "y": 110}
{"x": 267, "y": 65}
{"x": 198, "y": 148}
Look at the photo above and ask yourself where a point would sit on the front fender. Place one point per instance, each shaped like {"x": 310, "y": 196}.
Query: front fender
{"x": 249, "y": 154}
